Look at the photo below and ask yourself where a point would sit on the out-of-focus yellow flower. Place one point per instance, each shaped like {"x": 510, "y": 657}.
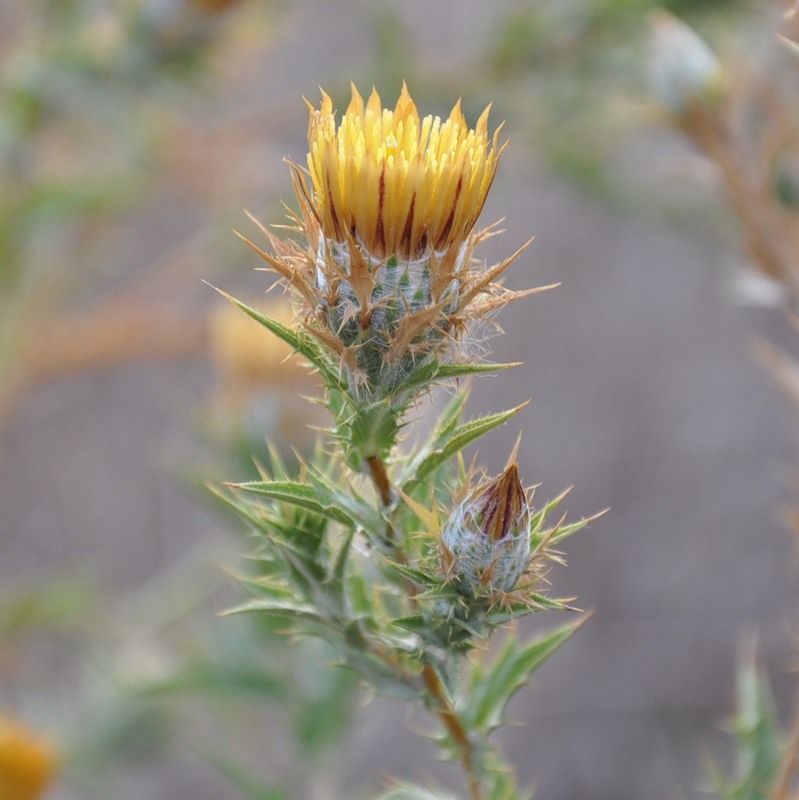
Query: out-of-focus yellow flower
{"x": 245, "y": 357}
{"x": 398, "y": 184}
{"x": 27, "y": 761}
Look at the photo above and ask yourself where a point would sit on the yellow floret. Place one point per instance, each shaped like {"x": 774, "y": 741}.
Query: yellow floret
{"x": 395, "y": 183}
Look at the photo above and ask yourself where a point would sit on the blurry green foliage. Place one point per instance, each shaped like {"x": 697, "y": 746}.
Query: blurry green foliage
{"x": 759, "y": 742}
{"x": 531, "y": 34}
{"x": 52, "y": 605}
{"x": 575, "y": 68}
{"x": 393, "y": 49}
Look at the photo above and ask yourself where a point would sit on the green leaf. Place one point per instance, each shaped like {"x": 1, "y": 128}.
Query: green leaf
{"x": 449, "y": 420}
{"x": 297, "y": 340}
{"x": 415, "y": 574}
{"x": 759, "y": 743}
{"x": 450, "y": 371}
{"x": 460, "y": 437}
{"x": 340, "y": 566}
{"x": 251, "y": 787}
{"x": 372, "y": 430}
{"x": 280, "y": 608}
{"x": 536, "y": 602}
{"x": 359, "y": 596}
{"x": 539, "y": 534}
{"x": 407, "y": 791}
{"x": 435, "y": 372}
{"x": 222, "y": 678}
{"x": 379, "y": 675}
{"x": 415, "y": 623}
{"x": 325, "y": 703}
{"x": 298, "y": 494}
{"x": 490, "y": 689}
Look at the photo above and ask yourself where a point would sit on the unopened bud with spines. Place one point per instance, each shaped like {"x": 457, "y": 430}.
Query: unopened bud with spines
{"x": 486, "y": 540}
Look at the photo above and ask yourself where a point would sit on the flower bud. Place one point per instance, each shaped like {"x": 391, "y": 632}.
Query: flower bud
{"x": 486, "y": 540}
{"x": 683, "y": 70}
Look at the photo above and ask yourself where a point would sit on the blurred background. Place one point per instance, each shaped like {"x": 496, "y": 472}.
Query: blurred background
{"x": 132, "y": 136}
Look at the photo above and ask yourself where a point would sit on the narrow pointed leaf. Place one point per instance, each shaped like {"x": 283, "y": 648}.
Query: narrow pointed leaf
{"x": 297, "y": 340}
{"x": 409, "y": 792}
{"x": 246, "y": 783}
{"x": 760, "y": 747}
{"x": 449, "y": 371}
{"x": 277, "y": 607}
{"x": 299, "y": 494}
{"x": 438, "y": 373}
{"x": 461, "y": 437}
{"x": 491, "y": 689}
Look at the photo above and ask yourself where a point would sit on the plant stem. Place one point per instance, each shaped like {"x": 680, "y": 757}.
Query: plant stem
{"x": 446, "y": 713}
{"x": 751, "y": 196}
{"x": 441, "y": 704}
{"x": 382, "y": 483}
{"x": 377, "y": 469}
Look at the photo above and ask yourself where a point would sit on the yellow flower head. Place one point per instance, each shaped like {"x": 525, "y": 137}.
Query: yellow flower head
{"x": 398, "y": 184}
{"x": 386, "y": 275}
{"x": 27, "y": 762}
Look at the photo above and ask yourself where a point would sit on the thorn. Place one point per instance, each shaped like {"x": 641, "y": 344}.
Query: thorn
{"x": 512, "y": 458}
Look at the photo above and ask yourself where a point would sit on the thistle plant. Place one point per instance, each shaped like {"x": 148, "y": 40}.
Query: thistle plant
{"x": 404, "y": 559}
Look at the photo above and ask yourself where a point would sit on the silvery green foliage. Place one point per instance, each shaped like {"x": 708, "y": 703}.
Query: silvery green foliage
{"x": 333, "y": 561}
{"x": 360, "y": 567}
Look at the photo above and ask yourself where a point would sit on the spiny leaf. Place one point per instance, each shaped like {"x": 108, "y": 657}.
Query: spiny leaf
{"x": 297, "y": 340}
{"x": 415, "y": 623}
{"x": 462, "y": 436}
{"x": 449, "y": 419}
{"x": 491, "y": 689}
{"x": 758, "y": 739}
{"x": 415, "y": 574}
{"x": 435, "y": 372}
{"x": 222, "y": 678}
{"x": 372, "y": 429}
{"x": 449, "y": 371}
{"x": 277, "y": 607}
{"x": 298, "y": 494}
{"x": 551, "y": 536}
{"x": 501, "y": 614}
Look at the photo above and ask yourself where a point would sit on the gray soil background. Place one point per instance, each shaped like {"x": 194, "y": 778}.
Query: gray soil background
{"x": 645, "y": 398}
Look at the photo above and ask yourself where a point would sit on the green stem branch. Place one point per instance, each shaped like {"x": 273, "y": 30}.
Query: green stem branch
{"x": 458, "y": 734}
{"x": 440, "y": 703}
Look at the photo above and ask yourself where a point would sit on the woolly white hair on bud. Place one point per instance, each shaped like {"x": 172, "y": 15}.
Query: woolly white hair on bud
{"x": 487, "y": 537}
